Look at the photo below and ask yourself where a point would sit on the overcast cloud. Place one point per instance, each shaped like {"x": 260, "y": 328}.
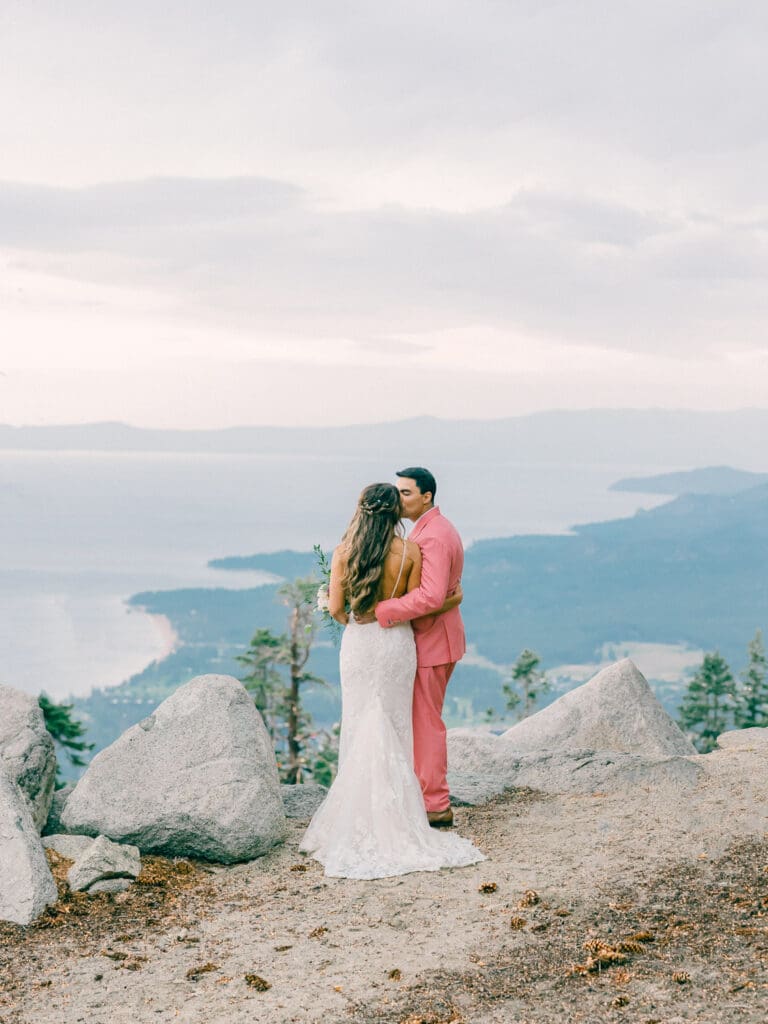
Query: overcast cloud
{"x": 230, "y": 213}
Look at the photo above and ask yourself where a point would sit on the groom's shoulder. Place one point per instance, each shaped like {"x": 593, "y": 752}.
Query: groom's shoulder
{"x": 440, "y": 526}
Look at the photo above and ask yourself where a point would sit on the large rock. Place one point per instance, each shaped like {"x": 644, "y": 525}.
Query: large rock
{"x": 26, "y": 749}
{"x": 26, "y": 884}
{"x": 610, "y": 735}
{"x": 104, "y": 861}
{"x": 469, "y": 789}
{"x": 482, "y": 767}
{"x": 744, "y": 739}
{"x": 197, "y": 778}
{"x": 616, "y": 710}
{"x": 489, "y": 756}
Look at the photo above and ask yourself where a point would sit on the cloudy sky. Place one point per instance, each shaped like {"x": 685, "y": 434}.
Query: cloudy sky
{"x": 328, "y": 212}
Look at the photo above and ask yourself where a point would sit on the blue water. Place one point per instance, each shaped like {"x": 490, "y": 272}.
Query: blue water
{"x": 80, "y": 532}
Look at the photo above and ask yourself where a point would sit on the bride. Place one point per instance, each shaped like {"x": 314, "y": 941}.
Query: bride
{"x": 372, "y": 823}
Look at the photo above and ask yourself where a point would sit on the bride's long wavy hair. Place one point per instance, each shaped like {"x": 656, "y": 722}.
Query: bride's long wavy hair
{"x": 367, "y": 541}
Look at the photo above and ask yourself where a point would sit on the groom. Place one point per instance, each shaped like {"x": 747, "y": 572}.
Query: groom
{"x": 440, "y": 639}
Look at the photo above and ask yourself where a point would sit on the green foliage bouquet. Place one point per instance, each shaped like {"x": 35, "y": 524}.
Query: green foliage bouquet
{"x": 324, "y": 567}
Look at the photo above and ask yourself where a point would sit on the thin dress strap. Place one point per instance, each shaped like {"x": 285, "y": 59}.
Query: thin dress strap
{"x": 402, "y": 564}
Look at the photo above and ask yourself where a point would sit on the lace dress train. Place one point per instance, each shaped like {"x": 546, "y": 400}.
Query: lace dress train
{"x": 372, "y": 823}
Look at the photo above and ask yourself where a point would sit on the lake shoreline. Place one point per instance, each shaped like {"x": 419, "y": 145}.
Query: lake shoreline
{"x": 163, "y": 628}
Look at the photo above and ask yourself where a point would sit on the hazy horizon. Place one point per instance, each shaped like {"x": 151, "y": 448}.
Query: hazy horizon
{"x": 373, "y": 422}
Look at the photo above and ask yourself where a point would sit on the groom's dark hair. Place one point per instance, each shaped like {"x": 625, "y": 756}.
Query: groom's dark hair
{"x": 422, "y": 478}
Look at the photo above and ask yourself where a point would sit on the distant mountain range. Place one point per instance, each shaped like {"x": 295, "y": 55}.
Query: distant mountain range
{"x": 707, "y": 480}
{"x": 654, "y": 437}
{"x": 692, "y": 572}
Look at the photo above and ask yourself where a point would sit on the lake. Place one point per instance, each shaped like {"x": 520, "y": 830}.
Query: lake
{"x": 82, "y": 531}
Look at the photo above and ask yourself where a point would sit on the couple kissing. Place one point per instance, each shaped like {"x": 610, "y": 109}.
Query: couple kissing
{"x": 399, "y": 601}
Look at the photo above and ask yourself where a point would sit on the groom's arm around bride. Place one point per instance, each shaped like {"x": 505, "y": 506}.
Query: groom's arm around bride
{"x": 442, "y": 565}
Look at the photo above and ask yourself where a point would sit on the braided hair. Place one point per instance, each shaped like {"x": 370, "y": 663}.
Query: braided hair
{"x": 367, "y": 541}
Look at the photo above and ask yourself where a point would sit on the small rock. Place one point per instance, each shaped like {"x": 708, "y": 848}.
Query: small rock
{"x": 104, "y": 860}
{"x": 301, "y": 801}
{"x": 68, "y": 846}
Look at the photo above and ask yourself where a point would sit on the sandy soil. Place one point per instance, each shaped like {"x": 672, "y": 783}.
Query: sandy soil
{"x": 674, "y": 885}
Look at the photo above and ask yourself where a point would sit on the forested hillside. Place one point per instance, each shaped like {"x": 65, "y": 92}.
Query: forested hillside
{"x": 692, "y": 572}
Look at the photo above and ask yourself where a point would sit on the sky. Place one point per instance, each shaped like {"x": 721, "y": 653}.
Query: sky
{"x": 214, "y": 214}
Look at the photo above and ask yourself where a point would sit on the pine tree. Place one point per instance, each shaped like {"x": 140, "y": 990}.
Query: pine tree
{"x": 708, "y": 702}
{"x": 66, "y": 732}
{"x": 299, "y": 599}
{"x": 752, "y": 693}
{"x": 525, "y": 685}
{"x": 277, "y": 674}
{"x": 265, "y": 652}
{"x": 326, "y": 760}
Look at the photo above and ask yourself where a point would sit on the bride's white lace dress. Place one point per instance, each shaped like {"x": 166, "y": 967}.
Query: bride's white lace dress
{"x": 372, "y": 823}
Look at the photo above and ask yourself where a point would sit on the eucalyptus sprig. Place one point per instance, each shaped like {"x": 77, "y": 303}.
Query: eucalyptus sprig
{"x": 324, "y": 567}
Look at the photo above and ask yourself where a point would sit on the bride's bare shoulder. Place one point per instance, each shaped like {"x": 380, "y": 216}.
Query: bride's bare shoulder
{"x": 396, "y": 548}
{"x": 412, "y": 550}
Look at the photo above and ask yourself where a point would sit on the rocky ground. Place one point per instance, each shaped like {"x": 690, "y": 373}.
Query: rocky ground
{"x": 644, "y": 904}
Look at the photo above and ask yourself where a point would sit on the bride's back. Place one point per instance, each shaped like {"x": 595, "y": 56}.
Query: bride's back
{"x": 398, "y": 566}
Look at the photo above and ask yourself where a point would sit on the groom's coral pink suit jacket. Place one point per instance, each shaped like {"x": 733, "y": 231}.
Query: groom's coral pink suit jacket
{"x": 440, "y": 639}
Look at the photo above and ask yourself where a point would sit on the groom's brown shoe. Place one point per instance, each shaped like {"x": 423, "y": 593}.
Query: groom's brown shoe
{"x": 440, "y": 819}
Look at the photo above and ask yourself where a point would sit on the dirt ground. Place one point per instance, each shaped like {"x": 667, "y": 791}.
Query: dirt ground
{"x": 627, "y": 907}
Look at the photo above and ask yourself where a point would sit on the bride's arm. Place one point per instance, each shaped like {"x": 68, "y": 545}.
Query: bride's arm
{"x": 336, "y": 599}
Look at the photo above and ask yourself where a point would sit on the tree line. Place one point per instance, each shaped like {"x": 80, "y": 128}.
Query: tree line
{"x": 716, "y": 700}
